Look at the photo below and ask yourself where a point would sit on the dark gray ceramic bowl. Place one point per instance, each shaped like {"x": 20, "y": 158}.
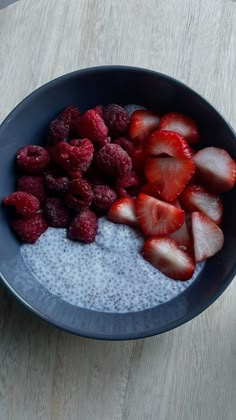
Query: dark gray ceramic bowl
{"x": 28, "y": 123}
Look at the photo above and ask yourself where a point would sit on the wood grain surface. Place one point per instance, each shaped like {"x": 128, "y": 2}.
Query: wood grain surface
{"x": 188, "y": 373}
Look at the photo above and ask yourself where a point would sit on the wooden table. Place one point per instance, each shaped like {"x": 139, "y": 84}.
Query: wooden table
{"x": 188, "y": 373}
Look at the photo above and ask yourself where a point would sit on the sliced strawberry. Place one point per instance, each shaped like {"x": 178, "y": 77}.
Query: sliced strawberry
{"x": 123, "y": 211}
{"x": 142, "y": 123}
{"x": 164, "y": 254}
{"x": 152, "y": 190}
{"x": 157, "y": 217}
{"x": 197, "y": 198}
{"x": 208, "y": 238}
{"x": 182, "y": 124}
{"x": 215, "y": 168}
{"x": 170, "y": 175}
{"x": 169, "y": 143}
{"x": 182, "y": 236}
{"x": 138, "y": 159}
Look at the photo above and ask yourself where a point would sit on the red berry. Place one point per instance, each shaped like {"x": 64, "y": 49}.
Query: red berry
{"x": 84, "y": 152}
{"x": 73, "y": 158}
{"x": 83, "y": 227}
{"x": 56, "y": 213}
{"x": 116, "y": 119}
{"x": 98, "y": 109}
{"x": 103, "y": 142}
{"x": 58, "y": 131}
{"x": 69, "y": 114}
{"x": 112, "y": 160}
{"x": 29, "y": 228}
{"x": 103, "y": 197}
{"x": 125, "y": 144}
{"x": 32, "y": 184}
{"x": 32, "y": 159}
{"x": 22, "y": 202}
{"x": 127, "y": 185}
{"x": 91, "y": 125}
{"x": 74, "y": 174}
{"x": 79, "y": 195}
{"x": 56, "y": 184}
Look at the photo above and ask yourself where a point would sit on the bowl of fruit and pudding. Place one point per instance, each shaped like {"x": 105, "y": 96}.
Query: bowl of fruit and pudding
{"x": 117, "y": 190}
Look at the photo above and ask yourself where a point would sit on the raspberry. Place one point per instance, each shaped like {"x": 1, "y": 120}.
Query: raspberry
{"x": 34, "y": 185}
{"x": 126, "y": 144}
{"x": 116, "y": 118}
{"x": 22, "y": 203}
{"x": 29, "y": 228}
{"x": 57, "y": 215}
{"x": 32, "y": 159}
{"x": 103, "y": 142}
{"x": 113, "y": 160}
{"x": 84, "y": 152}
{"x": 127, "y": 185}
{"x": 69, "y": 114}
{"x": 91, "y": 125}
{"x": 103, "y": 197}
{"x": 56, "y": 184}
{"x": 79, "y": 195}
{"x": 74, "y": 174}
{"x": 73, "y": 158}
{"x": 83, "y": 227}
{"x": 98, "y": 109}
{"x": 58, "y": 131}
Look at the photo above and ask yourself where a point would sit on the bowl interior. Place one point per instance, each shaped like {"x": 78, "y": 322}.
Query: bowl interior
{"x": 28, "y": 124}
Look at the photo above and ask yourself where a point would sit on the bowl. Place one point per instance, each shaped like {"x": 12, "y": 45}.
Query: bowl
{"x": 28, "y": 124}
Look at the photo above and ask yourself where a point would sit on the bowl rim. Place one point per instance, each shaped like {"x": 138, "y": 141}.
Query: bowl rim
{"x": 147, "y": 332}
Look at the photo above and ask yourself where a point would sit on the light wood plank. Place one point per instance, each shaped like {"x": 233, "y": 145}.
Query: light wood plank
{"x": 186, "y": 374}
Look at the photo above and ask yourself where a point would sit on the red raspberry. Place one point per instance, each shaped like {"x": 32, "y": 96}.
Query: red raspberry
{"x": 91, "y": 125}
{"x": 56, "y": 184}
{"x": 126, "y": 144}
{"x": 79, "y": 195}
{"x": 83, "y": 227}
{"x": 56, "y": 213}
{"x": 103, "y": 197}
{"x": 113, "y": 160}
{"x": 98, "y": 109}
{"x": 84, "y": 152}
{"x": 74, "y": 174}
{"x": 22, "y": 203}
{"x": 116, "y": 119}
{"x": 127, "y": 185}
{"x": 69, "y": 114}
{"x": 32, "y": 184}
{"x": 32, "y": 159}
{"x": 103, "y": 142}
{"x": 58, "y": 131}
{"x": 73, "y": 158}
{"x": 29, "y": 228}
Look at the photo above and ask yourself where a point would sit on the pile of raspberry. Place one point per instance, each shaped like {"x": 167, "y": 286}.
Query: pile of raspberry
{"x": 83, "y": 166}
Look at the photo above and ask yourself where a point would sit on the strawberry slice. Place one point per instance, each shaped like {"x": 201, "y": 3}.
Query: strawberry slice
{"x": 170, "y": 175}
{"x": 123, "y": 211}
{"x": 157, "y": 217}
{"x": 152, "y": 190}
{"x": 169, "y": 143}
{"x": 182, "y": 235}
{"x": 208, "y": 238}
{"x": 142, "y": 123}
{"x": 164, "y": 254}
{"x": 215, "y": 168}
{"x": 197, "y": 198}
{"x": 138, "y": 159}
{"x": 182, "y": 124}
